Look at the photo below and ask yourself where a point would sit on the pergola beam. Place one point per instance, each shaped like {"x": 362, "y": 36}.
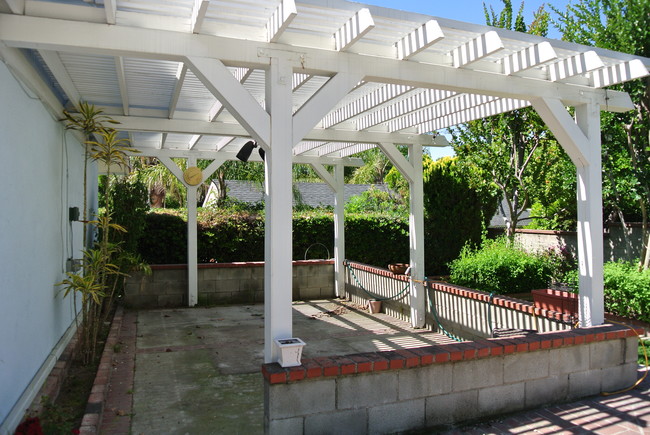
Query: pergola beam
{"x": 57, "y": 68}
{"x": 121, "y": 80}
{"x": 576, "y": 65}
{"x": 419, "y": 40}
{"x": 280, "y": 19}
{"x": 230, "y": 92}
{"x": 528, "y": 58}
{"x": 476, "y": 49}
{"x": 619, "y": 73}
{"x": 199, "y": 10}
{"x": 32, "y": 32}
{"x": 366, "y": 102}
{"x": 319, "y": 104}
{"x": 15, "y": 6}
{"x": 110, "y": 8}
{"x": 403, "y": 107}
{"x": 183, "y": 126}
{"x": 226, "y": 155}
{"x": 401, "y": 163}
{"x": 353, "y": 29}
{"x": 24, "y": 70}
{"x": 178, "y": 87}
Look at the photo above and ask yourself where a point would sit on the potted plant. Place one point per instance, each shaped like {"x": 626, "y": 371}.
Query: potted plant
{"x": 290, "y": 351}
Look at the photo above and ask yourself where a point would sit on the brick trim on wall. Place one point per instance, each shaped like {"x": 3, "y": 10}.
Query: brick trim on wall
{"x": 497, "y": 300}
{"x": 235, "y": 264}
{"x": 323, "y": 367}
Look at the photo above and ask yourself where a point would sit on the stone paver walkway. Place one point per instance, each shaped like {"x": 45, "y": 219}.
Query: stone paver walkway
{"x": 197, "y": 371}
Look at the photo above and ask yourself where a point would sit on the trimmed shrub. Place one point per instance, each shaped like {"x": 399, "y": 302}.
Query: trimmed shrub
{"x": 500, "y": 267}
{"x": 312, "y": 230}
{"x": 164, "y": 240}
{"x": 130, "y": 200}
{"x": 227, "y": 236}
{"x": 376, "y": 239}
{"x": 627, "y": 291}
{"x": 455, "y": 213}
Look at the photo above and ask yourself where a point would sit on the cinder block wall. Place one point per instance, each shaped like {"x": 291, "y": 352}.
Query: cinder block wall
{"x": 614, "y": 241}
{"x": 224, "y": 283}
{"x": 462, "y": 311}
{"x": 437, "y": 386}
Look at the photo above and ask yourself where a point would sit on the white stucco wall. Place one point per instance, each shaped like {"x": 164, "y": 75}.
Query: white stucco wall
{"x": 41, "y": 168}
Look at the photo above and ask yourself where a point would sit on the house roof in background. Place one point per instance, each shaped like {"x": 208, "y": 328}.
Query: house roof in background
{"x": 312, "y": 194}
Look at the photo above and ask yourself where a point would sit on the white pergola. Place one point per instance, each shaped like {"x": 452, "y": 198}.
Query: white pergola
{"x": 314, "y": 82}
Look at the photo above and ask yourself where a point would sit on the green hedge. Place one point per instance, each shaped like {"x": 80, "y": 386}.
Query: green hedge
{"x": 502, "y": 268}
{"x": 627, "y": 290}
{"x": 455, "y": 213}
{"x": 226, "y": 236}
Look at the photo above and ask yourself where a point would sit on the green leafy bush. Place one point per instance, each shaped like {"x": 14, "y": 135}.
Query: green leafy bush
{"x": 130, "y": 200}
{"x": 455, "y": 213}
{"x": 311, "y": 230}
{"x": 164, "y": 240}
{"x": 234, "y": 235}
{"x": 500, "y": 267}
{"x": 227, "y": 236}
{"x": 374, "y": 200}
{"x": 376, "y": 239}
{"x": 627, "y": 291}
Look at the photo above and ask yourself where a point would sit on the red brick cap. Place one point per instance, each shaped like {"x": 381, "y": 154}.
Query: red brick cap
{"x": 404, "y": 359}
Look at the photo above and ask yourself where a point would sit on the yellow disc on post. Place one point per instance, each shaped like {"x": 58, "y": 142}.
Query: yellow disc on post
{"x": 193, "y": 176}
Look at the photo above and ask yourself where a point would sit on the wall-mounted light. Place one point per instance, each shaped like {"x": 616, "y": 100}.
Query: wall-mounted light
{"x": 245, "y": 151}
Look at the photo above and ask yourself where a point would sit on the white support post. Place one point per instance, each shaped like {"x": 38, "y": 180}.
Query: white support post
{"x": 416, "y": 238}
{"x": 191, "y": 197}
{"x": 278, "y": 274}
{"x": 192, "y": 255}
{"x": 339, "y": 231}
{"x": 580, "y": 138}
{"x": 192, "y": 246}
{"x": 590, "y": 221}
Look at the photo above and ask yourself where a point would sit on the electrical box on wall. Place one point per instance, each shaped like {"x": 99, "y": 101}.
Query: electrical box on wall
{"x": 73, "y": 213}
{"x": 73, "y": 265}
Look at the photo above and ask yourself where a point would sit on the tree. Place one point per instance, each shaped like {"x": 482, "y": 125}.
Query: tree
{"x": 506, "y": 152}
{"x": 554, "y": 206}
{"x": 376, "y": 167}
{"x": 622, "y": 25}
{"x": 455, "y": 214}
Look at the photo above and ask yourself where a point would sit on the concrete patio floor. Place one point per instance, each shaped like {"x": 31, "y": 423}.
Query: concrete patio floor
{"x": 197, "y": 371}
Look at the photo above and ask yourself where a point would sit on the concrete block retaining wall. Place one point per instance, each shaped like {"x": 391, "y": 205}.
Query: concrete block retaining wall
{"x": 435, "y": 386}
{"x": 619, "y": 243}
{"x": 224, "y": 283}
{"x": 464, "y": 312}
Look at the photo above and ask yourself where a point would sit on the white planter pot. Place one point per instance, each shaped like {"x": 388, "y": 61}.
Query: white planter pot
{"x": 289, "y": 351}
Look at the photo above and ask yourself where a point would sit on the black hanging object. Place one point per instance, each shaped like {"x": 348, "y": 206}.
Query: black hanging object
{"x": 245, "y": 151}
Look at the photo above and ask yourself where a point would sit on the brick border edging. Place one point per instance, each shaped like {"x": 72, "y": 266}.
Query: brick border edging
{"x": 91, "y": 420}
{"x": 55, "y": 379}
{"x": 320, "y": 367}
{"x": 465, "y": 292}
{"x": 235, "y": 264}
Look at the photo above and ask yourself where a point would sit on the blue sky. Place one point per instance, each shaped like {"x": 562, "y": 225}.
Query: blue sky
{"x": 470, "y": 11}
